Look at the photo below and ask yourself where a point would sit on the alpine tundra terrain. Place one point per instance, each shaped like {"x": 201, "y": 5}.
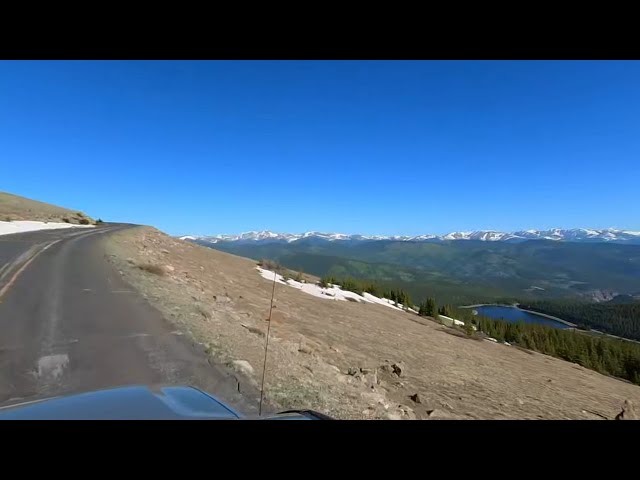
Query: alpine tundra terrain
{"x": 350, "y": 359}
{"x": 14, "y": 207}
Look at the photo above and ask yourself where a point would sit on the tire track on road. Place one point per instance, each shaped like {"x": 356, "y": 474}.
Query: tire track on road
{"x": 29, "y": 258}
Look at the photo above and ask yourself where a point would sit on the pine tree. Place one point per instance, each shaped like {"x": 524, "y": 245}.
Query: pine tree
{"x": 431, "y": 307}
{"x": 468, "y": 327}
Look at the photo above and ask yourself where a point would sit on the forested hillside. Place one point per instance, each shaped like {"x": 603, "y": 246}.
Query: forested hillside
{"x": 614, "y": 318}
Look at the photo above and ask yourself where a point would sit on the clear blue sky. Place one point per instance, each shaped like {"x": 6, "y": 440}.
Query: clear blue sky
{"x": 354, "y": 147}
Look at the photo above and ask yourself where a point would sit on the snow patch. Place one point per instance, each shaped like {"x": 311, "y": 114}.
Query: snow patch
{"x": 450, "y": 320}
{"x": 334, "y": 292}
{"x": 20, "y": 226}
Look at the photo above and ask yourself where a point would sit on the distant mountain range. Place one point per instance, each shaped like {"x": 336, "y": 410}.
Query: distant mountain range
{"x": 464, "y": 267}
{"x": 609, "y": 235}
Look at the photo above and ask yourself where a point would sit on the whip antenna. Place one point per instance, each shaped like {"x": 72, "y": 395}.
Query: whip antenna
{"x": 266, "y": 345}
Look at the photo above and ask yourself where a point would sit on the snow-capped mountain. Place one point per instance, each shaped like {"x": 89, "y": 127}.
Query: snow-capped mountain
{"x": 569, "y": 235}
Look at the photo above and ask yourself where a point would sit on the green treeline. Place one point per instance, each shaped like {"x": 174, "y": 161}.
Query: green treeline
{"x": 618, "y": 358}
{"x": 616, "y": 319}
{"x": 428, "y": 308}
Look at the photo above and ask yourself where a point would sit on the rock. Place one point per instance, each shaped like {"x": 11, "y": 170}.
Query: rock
{"x": 243, "y": 366}
{"x": 334, "y": 349}
{"x": 164, "y": 250}
{"x": 415, "y": 397}
{"x": 373, "y": 397}
{"x": 399, "y": 369}
{"x": 370, "y": 379}
{"x": 131, "y": 261}
{"x": 446, "y": 405}
{"x": 520, "y": 402}
{"x": 305, "y": 349}
{"x": 408, "y": 412}
{"x": 627, "y": 412}
{"x": 393, "y": 416}
{"x": 366, "y": 371}
{"x": 353, "y": 371}
{"x": 432, "y": 413}
{"x": 169, "y": 268}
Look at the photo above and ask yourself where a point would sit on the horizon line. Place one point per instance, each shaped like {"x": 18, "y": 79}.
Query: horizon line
{"x": 404, "y": 235}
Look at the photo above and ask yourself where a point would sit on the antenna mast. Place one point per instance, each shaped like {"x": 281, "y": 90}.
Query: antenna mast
{"x": 266, "y": 345}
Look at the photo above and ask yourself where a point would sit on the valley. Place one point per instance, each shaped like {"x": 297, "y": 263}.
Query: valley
{"x": 462, "y": 271}
{"x": 593, "y": 284}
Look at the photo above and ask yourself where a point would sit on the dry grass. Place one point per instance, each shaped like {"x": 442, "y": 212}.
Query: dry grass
{"x": 202, "y": 310}
{"x": 152, "y": 268}
{"x": 315, "y": 342}
{"x": 14, "y": 207}
{"x": 270, "y": 265}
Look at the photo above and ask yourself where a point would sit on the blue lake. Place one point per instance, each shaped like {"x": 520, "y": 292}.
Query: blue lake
{"x": 514, "y": 314}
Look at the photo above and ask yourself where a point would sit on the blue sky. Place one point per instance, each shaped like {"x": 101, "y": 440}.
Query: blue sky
{"x": 356, "y": 147}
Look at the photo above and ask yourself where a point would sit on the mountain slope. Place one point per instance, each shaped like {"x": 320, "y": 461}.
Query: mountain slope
{"x": 323, "y": 353}
{"x": 15, "y": 207}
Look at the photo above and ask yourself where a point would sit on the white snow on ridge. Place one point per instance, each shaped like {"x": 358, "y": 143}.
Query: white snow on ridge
{"x": 19, "y": 226}
{"x": 332, "y": 293}
{"x": 452, "y": 321}
{"x": 558, "y": 234}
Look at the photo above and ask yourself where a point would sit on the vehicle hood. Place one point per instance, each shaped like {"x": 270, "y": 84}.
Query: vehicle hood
{"x": 125, "y": 403}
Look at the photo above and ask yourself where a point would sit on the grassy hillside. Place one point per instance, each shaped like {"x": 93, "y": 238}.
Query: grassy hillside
{"x": 324, "y": 347}
{"x": 466, "y": 270}
{"x": 14, "y": 207}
